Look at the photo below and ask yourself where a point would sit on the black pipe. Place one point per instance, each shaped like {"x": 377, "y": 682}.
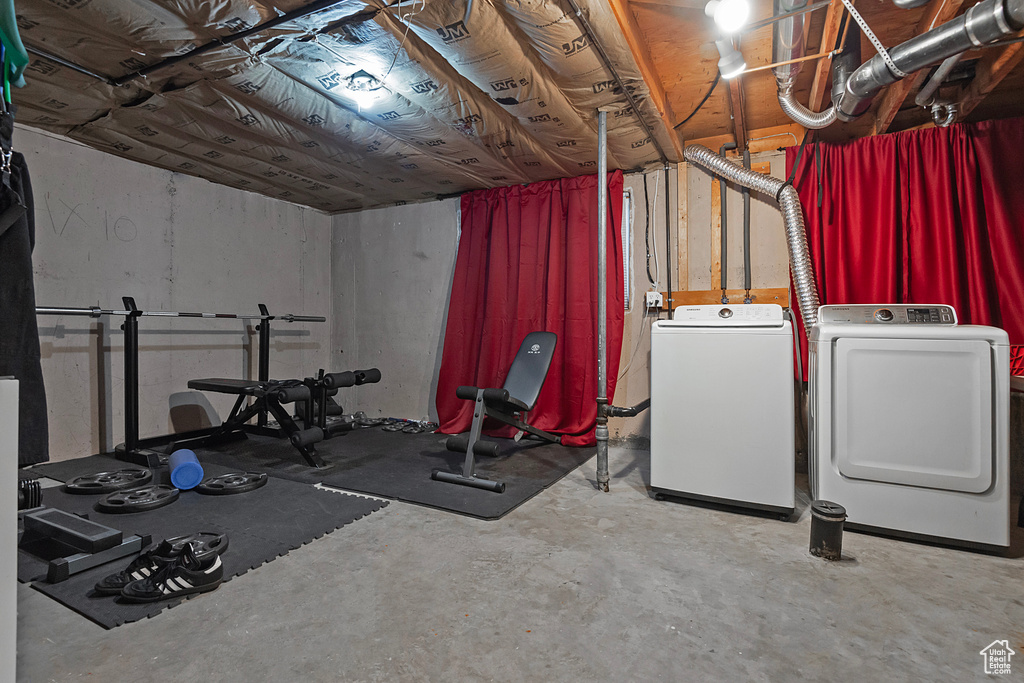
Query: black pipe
{"x": 615, "y": 411}
{"x": 311, "y": 8}
{"x": 70, "y": 65}
{"x": 746, "y": 232}
{"x": 724, "y": 247}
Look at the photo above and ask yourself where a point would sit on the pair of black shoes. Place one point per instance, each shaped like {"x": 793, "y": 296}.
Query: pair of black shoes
{"x": 175, "y": 567}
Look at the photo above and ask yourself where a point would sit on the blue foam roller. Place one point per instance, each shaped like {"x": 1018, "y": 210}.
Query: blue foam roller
{"x": 186, "y": 472}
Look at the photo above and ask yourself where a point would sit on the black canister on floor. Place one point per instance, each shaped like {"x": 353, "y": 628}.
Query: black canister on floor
{"x": 827, "y": 529}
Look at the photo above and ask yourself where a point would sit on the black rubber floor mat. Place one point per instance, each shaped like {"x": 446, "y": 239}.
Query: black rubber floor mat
{"x": 63, "y": 470}
{"x": 261, "y": 525}
{"x": 396, "y": 465}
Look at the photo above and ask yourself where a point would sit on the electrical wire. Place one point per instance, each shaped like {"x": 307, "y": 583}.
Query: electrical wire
{"x": 714, "y": 84}
{"x": 657, "y": 266}
{"x": 405, "y": 19}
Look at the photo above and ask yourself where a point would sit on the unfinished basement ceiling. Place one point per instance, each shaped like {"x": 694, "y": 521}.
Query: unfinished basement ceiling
{"x": 504, "y": 93}
{"x": 476, "y": 93}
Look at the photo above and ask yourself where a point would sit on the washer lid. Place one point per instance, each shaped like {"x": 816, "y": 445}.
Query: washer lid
{"x": 728, "y": 315}
{"x": 916, "y": 412}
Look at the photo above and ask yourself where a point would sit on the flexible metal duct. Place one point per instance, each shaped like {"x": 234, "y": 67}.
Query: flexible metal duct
{"x": 787, "y": 44}
{"x": 792, "y": 217}
{"x": 984, "y": 23}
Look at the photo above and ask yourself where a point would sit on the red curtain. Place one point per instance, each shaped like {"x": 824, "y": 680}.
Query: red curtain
{"x": 527, "y": 261}
{"x": 931, "y": 217}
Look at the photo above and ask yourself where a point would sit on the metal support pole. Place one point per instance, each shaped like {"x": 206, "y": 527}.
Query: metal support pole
{"x": 602, "y": 299}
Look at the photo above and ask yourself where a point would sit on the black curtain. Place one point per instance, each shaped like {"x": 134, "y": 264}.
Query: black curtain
{"x": 19, "y": 336}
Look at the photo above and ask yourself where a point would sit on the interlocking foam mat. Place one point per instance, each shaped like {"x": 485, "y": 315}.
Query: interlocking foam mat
{"x": 398, "y": 466}
{"x": 261, "y": 525}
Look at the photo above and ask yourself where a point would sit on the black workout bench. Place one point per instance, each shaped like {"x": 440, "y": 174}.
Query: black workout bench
{"x": 311, "y": 395}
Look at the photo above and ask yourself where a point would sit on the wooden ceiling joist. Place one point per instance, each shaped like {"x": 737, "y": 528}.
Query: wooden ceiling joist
{"x": 988, "y": 73}
{"x": 829, "y": 34}
{"x": 938, "y": 13}
{"x": 638, "y": 46}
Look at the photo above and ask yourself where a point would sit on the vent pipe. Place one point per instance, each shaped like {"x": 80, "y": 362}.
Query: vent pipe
{"x": 983, "y": 23}
{"x": 792, "y": 217}
{"x": 788, "y": 44}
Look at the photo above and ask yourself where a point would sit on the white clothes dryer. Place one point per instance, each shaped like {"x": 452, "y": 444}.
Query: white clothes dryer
{"x": 909, "y": 421}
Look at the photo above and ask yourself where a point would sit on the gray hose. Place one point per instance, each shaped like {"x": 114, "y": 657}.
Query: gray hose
{"x": 801, "y": 114}
{"x": 792, "y": 217}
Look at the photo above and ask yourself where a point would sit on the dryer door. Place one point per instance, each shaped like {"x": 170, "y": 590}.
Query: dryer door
{"x": 916, "y": 412}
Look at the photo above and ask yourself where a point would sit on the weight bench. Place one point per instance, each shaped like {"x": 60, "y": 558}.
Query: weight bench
{"x": 313, "y": 394}
{"x": 510, "y": 404}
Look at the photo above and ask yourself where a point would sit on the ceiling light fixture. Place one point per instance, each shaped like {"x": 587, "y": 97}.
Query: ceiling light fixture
{"x": 729, "y": 15}
{"x": 364, "y": 89}
{"x": 731, "y": 62}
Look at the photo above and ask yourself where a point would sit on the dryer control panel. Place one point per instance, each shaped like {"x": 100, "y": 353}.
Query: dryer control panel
{"x": 889, "y": 314}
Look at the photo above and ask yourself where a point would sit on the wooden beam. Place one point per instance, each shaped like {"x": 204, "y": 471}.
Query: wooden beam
{"x": 760, "y": 140}
{"x": 638, "y": 46}
{"x": 829, "y": 34}
{"x": 739, "y": 125}
{"x": 673, "y": 4}
{"x": 988, "y": 72}
{"x": 773, "y": 295}
{"x": 937, "y": 13}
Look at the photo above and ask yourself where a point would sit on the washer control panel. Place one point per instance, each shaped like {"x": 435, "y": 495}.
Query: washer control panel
{"x": 888, "y": 314}
{"x": 738, "y": 315}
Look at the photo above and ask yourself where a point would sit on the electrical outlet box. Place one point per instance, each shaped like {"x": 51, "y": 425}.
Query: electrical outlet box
{"x": 653, "y": 299}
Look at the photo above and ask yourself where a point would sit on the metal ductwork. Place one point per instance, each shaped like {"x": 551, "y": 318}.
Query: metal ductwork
{"x": 788, "y": 44}
{"x": 792, "y": 218}
{"x": 984, "y": 23}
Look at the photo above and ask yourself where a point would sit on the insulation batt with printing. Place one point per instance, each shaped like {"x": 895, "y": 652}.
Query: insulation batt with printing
{"x": 507, "y": 95}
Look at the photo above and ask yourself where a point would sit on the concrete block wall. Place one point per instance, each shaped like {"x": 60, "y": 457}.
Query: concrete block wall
{"x": 106, "y": 228}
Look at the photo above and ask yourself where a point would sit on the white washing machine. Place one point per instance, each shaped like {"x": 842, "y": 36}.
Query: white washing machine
{"x": 909, "y": 421}
{"x": 722, "y": 406}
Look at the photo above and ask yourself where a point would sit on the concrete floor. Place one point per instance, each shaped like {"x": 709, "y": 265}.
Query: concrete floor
{"x": 574, "y": 585}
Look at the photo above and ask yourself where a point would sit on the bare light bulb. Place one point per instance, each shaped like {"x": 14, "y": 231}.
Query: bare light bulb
{"x": 729, "y": 15}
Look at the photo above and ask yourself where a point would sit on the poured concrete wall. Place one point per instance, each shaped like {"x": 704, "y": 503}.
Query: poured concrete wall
{"x": 107, "y": 228}
{"x": 392, "y": 272}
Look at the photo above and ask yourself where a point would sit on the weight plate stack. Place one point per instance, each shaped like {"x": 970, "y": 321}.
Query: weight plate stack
{"x": 108, "y": 482}
{"x": 138, "y": 500}
{"x": 232, "y": 483}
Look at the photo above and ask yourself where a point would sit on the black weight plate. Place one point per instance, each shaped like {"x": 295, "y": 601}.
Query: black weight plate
{"x": 138, "y": 500}
{"x": 234, "y": 482}
{"x": 203, "y": 543}
{"x": 108, "y": 482}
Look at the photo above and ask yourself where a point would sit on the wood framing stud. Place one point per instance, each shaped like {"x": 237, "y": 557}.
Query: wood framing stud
{"x": 989, "y": 71}
{"x": 716, "y": 234}
{"x": 938, "y": 12}
{"x": 682, "y": 244}
{"x": 638, "y": 46}
{"x": 829, "y": 35}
